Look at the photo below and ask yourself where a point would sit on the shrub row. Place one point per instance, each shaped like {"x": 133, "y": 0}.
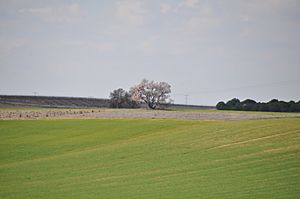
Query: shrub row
{"x": 251, "y": 105}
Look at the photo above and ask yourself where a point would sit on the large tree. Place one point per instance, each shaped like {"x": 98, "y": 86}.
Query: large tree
{"x": 152, "y": 93}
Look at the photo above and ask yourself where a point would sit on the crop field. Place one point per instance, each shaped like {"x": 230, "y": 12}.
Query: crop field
{"x": 149, "y": 158}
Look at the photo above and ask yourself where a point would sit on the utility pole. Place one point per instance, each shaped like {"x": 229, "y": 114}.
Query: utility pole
{"x": 35, "y": 93}
{"x": 186, "y": 99}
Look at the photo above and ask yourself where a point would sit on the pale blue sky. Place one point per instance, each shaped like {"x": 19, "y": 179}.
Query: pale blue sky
{"x": 210, "y": 50}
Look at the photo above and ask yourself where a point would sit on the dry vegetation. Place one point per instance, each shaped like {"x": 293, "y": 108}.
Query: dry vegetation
{"x": 136, "y": 113}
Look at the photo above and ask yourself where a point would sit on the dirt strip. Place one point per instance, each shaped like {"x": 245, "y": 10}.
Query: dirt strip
{"x": 136, "y": 113}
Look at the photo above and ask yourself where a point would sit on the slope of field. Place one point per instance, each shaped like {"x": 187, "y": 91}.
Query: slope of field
{"x": 144, "y": 158}
{"x": 21, "y": 101}
{"x": 50, "y": 101}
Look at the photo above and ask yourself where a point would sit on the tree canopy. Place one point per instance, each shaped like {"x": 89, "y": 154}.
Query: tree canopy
{"x": 152, "y": 93}
{"x": 120, "y": 98}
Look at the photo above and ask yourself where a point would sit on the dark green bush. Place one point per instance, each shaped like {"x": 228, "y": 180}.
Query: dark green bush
{"x": 250, "y": 105}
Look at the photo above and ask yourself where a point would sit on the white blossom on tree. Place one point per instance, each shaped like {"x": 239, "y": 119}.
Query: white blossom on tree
{"x": 152, "y": 93}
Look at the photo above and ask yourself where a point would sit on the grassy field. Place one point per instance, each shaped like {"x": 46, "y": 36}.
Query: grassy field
{"x": 233, "y": 111}
{"x": 144, "y": 158}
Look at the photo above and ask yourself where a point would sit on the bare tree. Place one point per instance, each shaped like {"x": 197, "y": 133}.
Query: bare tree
{"x": 152, "y": 93}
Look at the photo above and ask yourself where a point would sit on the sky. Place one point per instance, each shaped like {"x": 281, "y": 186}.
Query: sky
{"x": 207, "y": 50}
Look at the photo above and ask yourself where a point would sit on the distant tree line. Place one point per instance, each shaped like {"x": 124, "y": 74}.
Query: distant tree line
{"x": 250, "y": 105}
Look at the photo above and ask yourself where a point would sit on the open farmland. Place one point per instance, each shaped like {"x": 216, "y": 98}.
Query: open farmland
{"x": 150, "y": 158}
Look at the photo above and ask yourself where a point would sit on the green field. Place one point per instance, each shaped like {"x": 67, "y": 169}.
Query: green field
{"x": 144, "y": 158}
{"x": 236, "y": 111}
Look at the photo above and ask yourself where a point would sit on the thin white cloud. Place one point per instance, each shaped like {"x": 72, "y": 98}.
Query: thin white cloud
{"x": 151, "y": 45}
{"x": 7, "y": 45}
{"x": 148, "y": 47}
{"x": 269, "y": 21}
{"x": 165, "y": 8}
{"x": 186, "y": 4}
{"x": 258, "y": 10}
{"x": 55, "y": 14}
{"x": 190, "y": 3}
{"x": 130, "y": 12}
{"x": 80, "y": 44}
{"x": 202, "y": 22}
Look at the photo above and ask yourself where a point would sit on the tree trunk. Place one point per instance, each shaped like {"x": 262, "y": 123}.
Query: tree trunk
{"x": 150, "y": 105}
